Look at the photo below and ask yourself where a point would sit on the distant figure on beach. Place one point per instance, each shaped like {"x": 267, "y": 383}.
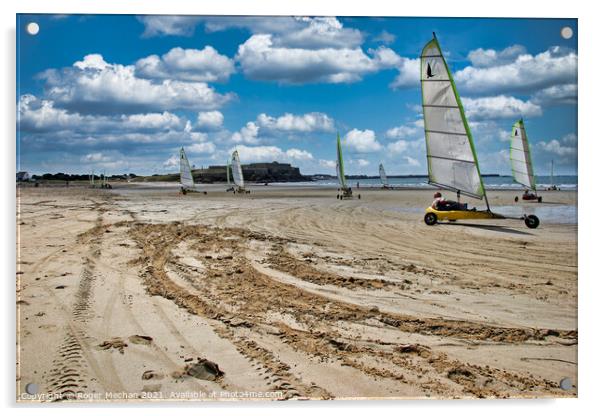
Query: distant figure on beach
{"x": 357, "y": 185}
{"x": 442, "y": 204}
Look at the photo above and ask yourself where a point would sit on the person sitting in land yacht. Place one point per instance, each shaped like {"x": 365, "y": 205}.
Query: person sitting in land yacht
{"x": 441, "y": 204}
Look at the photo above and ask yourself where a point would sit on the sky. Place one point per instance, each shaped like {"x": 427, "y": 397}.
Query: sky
{"x": 123, "y": 93}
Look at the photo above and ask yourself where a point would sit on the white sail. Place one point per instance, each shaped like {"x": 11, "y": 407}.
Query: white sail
{"x": 186, "y": 178}
{"x": 237, "y": 170}
{"x": 520, "y": 156}
{"x": 383, "y": 175}
{"x": 451, "y": 157}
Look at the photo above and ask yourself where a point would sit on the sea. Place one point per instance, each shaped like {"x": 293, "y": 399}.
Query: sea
{"x": 563, "y": 182}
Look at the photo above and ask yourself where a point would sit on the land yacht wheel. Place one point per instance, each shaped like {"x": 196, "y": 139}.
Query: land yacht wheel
{"x": 431, "y": 218}
{"x": 531, "y": 221}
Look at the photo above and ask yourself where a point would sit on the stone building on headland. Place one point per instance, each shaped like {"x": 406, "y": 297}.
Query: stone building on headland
{"x": 253, "y": 172}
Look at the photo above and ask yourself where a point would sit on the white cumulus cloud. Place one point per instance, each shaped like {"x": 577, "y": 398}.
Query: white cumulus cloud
{"x": 168, "y": 25}
{"x": 250, "y": 154}
{"x": 309, "y": 122}
{"x": 247, "y": 134}
{"x": 327, "y": 163}
{"x": 205, "y": 65}
{"x": 498, "y": 107}
{"x": 556, "y": 94}
{"x": 490, "y": 57}
{"x": 93, "y": 85}
{"x": 210, "y": 120}
{"x": 261, "y": 59}
{"x": 566, "y": 146}
{"x": 527, "y": 73}
{"x": 398, "y": 147}
{"x": 362, "y": 141}
{"x": 409, "y": 74}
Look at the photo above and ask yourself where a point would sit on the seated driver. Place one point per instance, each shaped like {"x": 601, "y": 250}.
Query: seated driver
{"x": 441, "y": 204}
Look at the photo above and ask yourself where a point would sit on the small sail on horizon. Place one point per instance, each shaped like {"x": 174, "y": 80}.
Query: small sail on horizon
{"x": 520, "y": 156}
{"x": 186, "y": 178}
{"x": 340, "y": 164}
{"x": 237, "y": 170}
{"x": 451, "y": 156}
{"x": 383, "y": 175}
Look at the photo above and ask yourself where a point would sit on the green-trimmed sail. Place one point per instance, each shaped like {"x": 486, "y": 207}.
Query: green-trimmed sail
{"x": 451, "y": 156}
{"x": 340, "y": 165}
{"x": 186, "y": 179}
{"x": 520, "y": 156}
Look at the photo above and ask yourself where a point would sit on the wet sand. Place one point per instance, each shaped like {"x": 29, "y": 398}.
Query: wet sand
{"x": 288, "y": 293}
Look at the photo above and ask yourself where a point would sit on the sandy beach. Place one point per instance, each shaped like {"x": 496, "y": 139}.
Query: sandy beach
{"x": 140, "y": 293}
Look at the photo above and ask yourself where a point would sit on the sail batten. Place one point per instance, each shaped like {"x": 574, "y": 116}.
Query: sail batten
{"x": 520, "y": 156}
{"x": 186, "y": 178}
{"x": 237, "y": 170}
{"x": 451, "y": 156}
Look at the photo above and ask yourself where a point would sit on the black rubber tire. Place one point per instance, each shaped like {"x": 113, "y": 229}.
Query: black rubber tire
{"x": 531, "y": 221}
{"x": 430, "y": 218}
{"x": 515, "y": 199}
{"x": 539, "y": 199}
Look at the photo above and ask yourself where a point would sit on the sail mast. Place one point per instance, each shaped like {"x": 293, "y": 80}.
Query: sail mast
{"x": 451, "y": 155}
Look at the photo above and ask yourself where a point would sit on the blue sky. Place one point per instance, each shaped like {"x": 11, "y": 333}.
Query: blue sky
{"x": 122, "y": 93}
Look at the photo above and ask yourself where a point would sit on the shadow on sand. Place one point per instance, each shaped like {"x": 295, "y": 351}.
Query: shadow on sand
{"x": 537, "y": 204}
{"x": 497, "y": 228}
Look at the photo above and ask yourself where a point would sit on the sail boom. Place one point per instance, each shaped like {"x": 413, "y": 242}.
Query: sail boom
{"x": 451, "y": 188}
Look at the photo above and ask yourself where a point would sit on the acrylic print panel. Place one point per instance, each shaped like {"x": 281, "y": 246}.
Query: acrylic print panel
{"x": 130, "y": 287}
